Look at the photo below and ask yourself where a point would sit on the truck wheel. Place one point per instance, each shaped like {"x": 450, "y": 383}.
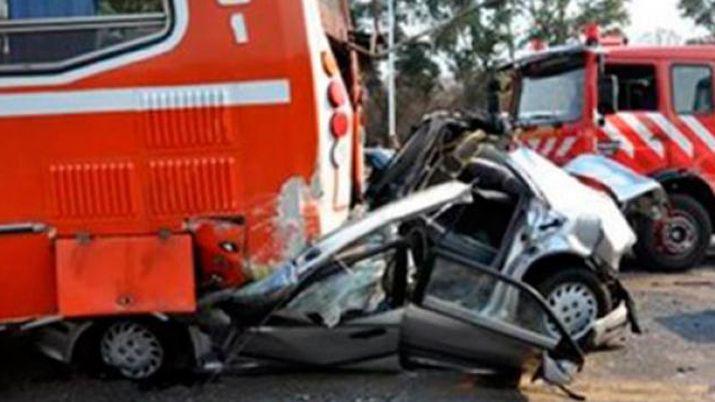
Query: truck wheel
{"x": 678, "y": 242}
{"x": 578, "y": 297}
{"x": 135, "y": 349}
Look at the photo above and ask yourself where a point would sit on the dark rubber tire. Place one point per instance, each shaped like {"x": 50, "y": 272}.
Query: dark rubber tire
{"x": 588, "y": 278}
{"x": 174, "y": 358}
{"x": 651, "y": 258}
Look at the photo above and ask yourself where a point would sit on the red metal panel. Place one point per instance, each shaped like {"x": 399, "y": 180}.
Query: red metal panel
{"x": 124, "y": 275}
{"x": 92, "y": 190}
{"x": 208, "y": 125}
{"x": 260, "y": 146}
{"x": 195, "y": 185}
{"x": 27, "y": 277}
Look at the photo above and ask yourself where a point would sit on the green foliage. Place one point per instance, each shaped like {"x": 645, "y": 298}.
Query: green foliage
{"x": 555, "y": 21}
{"x": 702, "y": 12}
{"x": 471, "y": 47}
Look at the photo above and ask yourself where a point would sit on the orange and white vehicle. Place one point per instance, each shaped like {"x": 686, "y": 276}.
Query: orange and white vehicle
{"x": 649, "y": 108}
{"x": 155, "y": 150}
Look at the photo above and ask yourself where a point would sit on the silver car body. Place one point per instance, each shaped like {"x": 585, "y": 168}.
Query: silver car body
{"x": 566, "y": 217}
{"x": 625, "y": 184}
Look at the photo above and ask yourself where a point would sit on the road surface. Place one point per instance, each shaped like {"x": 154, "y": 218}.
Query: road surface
{"x": 673, "y": 361}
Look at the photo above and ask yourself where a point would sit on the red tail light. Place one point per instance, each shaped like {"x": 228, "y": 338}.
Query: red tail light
{"x": 336, "y": 94}
{"x": 339, "y": 125}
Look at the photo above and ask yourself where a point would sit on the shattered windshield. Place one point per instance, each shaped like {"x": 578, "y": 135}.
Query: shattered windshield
{"x": 551, "y": 95}
{"x": 356, "y": 289}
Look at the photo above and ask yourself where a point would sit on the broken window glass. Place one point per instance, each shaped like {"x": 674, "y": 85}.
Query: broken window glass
{"x": 355, "y": 289}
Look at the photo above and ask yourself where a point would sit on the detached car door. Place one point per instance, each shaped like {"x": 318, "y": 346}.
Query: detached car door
{"x": 469, "y": 317}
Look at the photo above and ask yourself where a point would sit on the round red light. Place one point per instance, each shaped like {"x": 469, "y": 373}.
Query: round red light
{"x": 336, "y": 95}
{"x": 592, "y": 32}
{"x": 339, "y": 125}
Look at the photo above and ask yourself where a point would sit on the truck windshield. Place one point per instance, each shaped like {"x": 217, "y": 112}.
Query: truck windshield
{"x": 551, "y": 96}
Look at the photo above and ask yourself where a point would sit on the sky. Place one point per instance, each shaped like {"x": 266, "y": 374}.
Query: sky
{"x": 647, "y": 16}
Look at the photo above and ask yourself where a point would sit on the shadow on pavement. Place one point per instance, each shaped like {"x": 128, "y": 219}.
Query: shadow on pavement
{"x": 694, "y": 327}
{"x": 631, "y": 265}
{"x": 26, "y": 375}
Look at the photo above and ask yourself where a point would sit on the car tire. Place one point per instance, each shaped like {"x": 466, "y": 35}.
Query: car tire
{"x": 139, "y": 350}
{"x": 578, "y": 297}
{"x": 679, "y": 242}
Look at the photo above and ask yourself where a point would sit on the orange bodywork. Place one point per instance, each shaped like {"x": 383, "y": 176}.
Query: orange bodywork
{"x": 119, "y": 183}
{"x": 27, "y": 277}
{"x": 125, "y": 275}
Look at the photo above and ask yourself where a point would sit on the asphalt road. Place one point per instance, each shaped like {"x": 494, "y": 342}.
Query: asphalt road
{"x": 673, "y": 361}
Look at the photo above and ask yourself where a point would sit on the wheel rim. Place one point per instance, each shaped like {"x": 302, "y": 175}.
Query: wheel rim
{"x": 575, "y": 304}
{"x": 132, "y": 349}
{"x": 679, "y": 234}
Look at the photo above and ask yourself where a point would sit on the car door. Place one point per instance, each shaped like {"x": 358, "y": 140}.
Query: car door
{"x": 467, "y": 316}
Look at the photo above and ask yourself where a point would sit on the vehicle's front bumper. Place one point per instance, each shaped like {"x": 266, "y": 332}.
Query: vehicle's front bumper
{"x": 612, "y": 328}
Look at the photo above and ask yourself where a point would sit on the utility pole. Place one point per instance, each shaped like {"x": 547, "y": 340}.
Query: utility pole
{"x": 391, "y": 87}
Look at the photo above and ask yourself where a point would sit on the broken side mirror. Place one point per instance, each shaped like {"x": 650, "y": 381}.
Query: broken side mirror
{"x": 607, "y": 94}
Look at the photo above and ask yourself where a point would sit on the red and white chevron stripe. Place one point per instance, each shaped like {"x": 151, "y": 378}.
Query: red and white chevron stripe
{"x": 644, "y": 140}
{"x": 553, "y": 146}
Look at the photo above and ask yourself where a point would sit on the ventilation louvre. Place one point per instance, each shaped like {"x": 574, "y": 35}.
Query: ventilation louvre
{"x": 193, "y": 185}
{"x": 93, "y": 190}
{"x": 176, "y": 119}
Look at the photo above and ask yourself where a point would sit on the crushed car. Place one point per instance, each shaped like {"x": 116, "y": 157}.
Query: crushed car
{"x": 531, "y": 220}
{"x": 388, "y": 286}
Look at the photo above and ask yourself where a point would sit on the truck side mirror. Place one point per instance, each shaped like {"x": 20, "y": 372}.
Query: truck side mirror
{"x": 607, "y": 94}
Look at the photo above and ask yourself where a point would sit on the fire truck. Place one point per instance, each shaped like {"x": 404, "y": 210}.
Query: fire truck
{"x": 156, "y": 150}
{"x": 649, "y": 108}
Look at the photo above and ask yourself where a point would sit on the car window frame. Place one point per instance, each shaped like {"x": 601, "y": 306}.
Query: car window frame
{"x": 634, "y": 63}
{"x": 89, "y": 23}
{"x": 421, "y": 299}
{"x": 518, "y": 90}
{"x": 671, "y": 77}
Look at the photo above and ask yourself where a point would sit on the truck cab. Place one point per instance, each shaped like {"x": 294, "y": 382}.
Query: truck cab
{"x": 648, "y": 108}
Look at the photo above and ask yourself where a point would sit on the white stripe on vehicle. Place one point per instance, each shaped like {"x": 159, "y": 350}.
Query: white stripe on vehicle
{"x": 700, "y": 130}
{"x": 133, "y": 99}
{"x": 240, "y": 32}
{"x": 548, "y": 146}
{"x": 672, "y": 132}
{"x": 565, "y": 147}
{"x": 534, "y": 143}
{"x": 644, "y": 133}
{"x": 616, "y": 135}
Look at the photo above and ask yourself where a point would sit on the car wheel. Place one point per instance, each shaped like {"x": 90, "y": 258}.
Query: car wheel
{"x": 578, "y": 298}
{"x": 134, "y": 349}
{"x": 677, "y": 242}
